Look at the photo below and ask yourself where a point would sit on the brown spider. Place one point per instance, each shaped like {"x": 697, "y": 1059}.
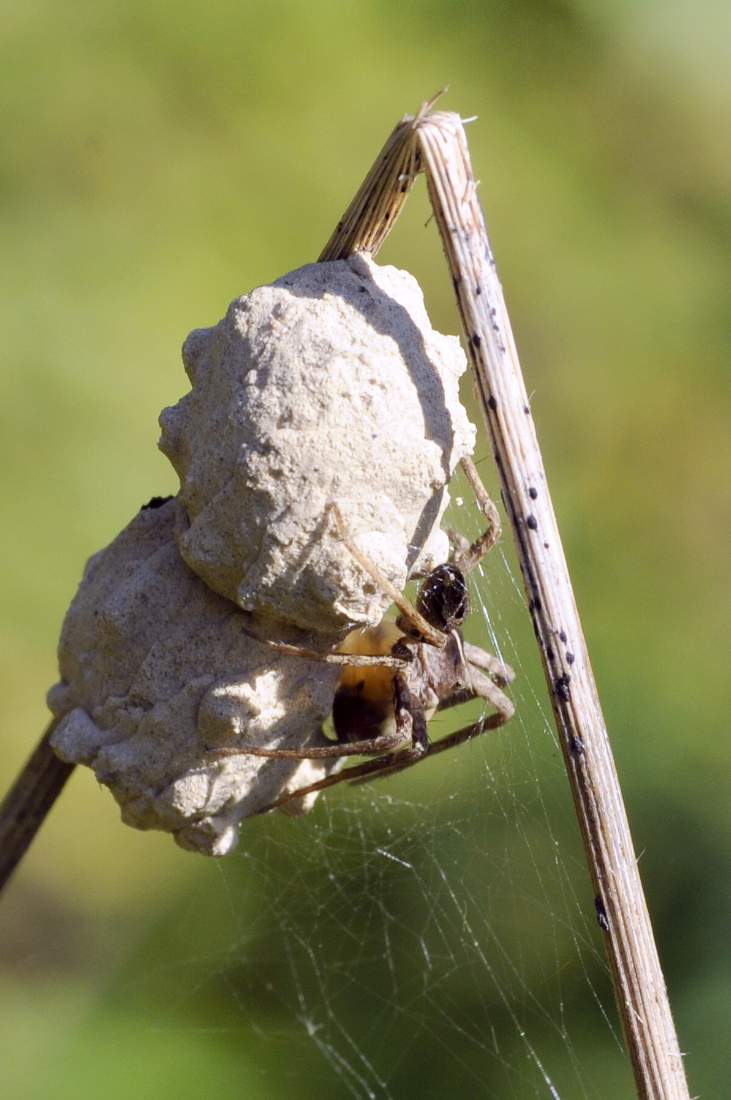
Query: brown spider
{"x": 398, "y": 675}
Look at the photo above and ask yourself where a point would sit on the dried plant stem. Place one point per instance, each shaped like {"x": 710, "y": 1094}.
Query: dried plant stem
{"x": 380, "y": 198}
{"x": 436, "y": 143}
{"x": 26, "y": 804}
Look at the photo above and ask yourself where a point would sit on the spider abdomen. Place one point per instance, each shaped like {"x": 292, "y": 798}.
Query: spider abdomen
{"x": 363, "y": 703}
{"x": 356, "y": 717}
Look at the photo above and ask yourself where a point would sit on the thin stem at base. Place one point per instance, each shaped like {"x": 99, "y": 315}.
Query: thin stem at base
{"x": 28, "y": 801}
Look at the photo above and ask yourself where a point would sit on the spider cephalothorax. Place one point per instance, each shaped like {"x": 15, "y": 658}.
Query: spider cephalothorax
{"x": 397, "y": 675}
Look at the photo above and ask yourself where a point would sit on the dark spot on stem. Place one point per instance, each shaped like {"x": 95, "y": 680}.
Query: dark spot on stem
{"x": 561, "y": 687}
{"x": 532, "y": 522}
{"x": 601, "y": 914}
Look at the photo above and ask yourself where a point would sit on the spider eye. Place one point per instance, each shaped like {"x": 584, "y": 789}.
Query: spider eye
{"x": 443, "y": 598}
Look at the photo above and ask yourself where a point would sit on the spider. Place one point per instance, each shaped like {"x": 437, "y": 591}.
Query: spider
{"x": 398, "y": 675}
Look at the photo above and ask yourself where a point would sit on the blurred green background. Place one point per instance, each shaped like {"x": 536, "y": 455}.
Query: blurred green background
{"x": 433, "y": 934}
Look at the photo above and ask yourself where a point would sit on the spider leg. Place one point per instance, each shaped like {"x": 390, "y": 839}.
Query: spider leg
{"x": 496, "y": 669}
{"x": 358, "y": 660}
{"x": 374, "y": 745}
{"x": 466, "y": 560}
{"x": 425, "y": 630}
{"x": 410, "y": 726}
{"x": 458, "y": 545}
{"x": 451, "y": 741}
{"x": 354, "y": 660}
{"x": 474, "y": 729}
{"x": 358, "y": 773}
{"x": 484, "y": 688}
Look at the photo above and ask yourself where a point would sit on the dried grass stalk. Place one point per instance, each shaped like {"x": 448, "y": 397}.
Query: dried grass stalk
{"x": 28, "y": 801}
{"x": 436, "y": 143}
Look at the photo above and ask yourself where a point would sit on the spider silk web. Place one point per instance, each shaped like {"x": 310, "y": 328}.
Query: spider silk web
{"x": 429, "y": 934}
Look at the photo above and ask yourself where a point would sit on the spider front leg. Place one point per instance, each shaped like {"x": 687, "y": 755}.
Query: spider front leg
{"x": 485, "y": 688}
{"x": 356, "y": 660}
{"x": 410, "y": 727}
{"x": 496, "y": 669}
{"x": 420, "y": 627}
{"x": 467, "y": 559}
{"x": 373, "y": 746}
